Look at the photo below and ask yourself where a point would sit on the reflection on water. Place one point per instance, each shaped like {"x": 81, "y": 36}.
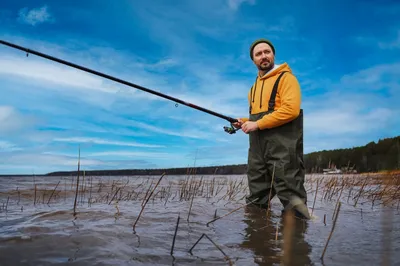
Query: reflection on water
{"x": 265, "y": 239}
{"x": 38, "y": 226}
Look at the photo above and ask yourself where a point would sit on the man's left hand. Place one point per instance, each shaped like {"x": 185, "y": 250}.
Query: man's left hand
{"x": 249, "y": 126}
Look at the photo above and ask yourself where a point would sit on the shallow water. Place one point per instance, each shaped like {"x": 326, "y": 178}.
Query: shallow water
{"x": 102, "y": 232}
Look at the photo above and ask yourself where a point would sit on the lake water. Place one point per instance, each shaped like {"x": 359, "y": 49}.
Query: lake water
{"x": 46, "y": 231}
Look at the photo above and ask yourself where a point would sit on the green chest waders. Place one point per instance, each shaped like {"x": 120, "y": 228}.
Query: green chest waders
{"x": 276, "y": 152}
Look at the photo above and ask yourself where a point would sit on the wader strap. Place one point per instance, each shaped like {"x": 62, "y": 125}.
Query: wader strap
{"x": 252, "y": 93}
{"x": 271, "y": 103}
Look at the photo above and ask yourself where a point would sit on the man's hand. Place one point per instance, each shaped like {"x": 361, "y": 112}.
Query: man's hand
{"x": 249, "y": 126}
{"x": 238, "y": 124}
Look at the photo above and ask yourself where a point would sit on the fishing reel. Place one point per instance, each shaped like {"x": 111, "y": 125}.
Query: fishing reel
{"x": 231, "y": 129}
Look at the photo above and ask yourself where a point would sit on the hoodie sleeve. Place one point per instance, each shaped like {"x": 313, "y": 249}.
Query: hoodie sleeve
{"x": 290, "y": 94}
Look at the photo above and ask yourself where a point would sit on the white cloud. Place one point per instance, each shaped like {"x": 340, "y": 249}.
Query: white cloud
{"x": 52, "y": 74}
{"x": 8, "y": 146}
{"x": 391, "y": 44}
{"x": 188, "y": 133}
{"x": 360, "y": 105}
{"x": 44, "y": 74}
{"x": 46, "y": 159}
{"x": 105, "y": 142}
{"x": 376, "y": 77}
{"x": 235, "y": 4}
{"x": 12, "y": 121}
{"x": 390, "y": 41}
{"x": 154, "y": 155}
{"x": 42, "y": 162}
{"x": 336, "y": 121}
{"x": 286, "y": 24}
{"x": 35, "y": 16}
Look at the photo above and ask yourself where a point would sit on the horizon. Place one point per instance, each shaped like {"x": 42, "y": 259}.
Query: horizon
{"x": 197, "y": 52}
{"x": 167, "y": 168}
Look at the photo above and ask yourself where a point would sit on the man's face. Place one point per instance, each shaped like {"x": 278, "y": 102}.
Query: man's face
{"x": 263, "y": 56}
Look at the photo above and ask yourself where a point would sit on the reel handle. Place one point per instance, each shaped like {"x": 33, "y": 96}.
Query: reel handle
{"x": 230, "y": 130}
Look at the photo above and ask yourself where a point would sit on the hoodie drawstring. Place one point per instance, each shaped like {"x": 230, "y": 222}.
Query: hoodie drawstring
{"x": 253, "y": 92}
{"x": 262, "y": 88}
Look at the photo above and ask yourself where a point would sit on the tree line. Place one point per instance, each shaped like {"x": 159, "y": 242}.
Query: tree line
{"x": 209, "y": 170}
{"x": 373, "y": 157}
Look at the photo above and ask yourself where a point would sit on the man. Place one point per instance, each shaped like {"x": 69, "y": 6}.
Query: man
{"x": 275, "y": 128}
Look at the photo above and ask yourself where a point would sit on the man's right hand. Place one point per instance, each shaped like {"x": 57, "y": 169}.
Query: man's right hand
{"x": 238, "y": 124}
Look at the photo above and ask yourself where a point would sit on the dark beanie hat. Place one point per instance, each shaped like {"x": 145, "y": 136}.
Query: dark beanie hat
{"x": 260, "y": 41}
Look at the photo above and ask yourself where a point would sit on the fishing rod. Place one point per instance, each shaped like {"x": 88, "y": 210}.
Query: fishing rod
{"x": 230, "y": 130}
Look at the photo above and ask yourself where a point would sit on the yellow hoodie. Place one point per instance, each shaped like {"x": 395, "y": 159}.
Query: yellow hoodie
{"x": 287, "y": 100}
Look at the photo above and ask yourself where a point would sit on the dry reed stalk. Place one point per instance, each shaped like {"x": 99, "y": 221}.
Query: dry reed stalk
{"x": 82, "y": 187}
{"x": 348, "y": 197}
{"x": 44, "y": 193}
{"x": 333, "y": 228}
{"x": 53, "y": 192}
{"x": 8, "y": 198}
{"x": 219, "y": 189}
{"x": 191, "y": 203}
{"x": 315, "y": 197}
{"x": 327, "y": 189}
{"x": 19, "y": 196}
{"x": 226, "y": 257}
{"x": 90, "y": 192}
{"x": 386, "y": 219}
{"x": 147, "y": 192}
{"x": 141, "y": 211}
{"x": 213, "y": 220}
{"x": 168, "y": 194}
{"x": 65, "y": 189}
{"x": 77, "y": 180}
{"x": 212, "y": 186}
{"x": 115, "y": 194}
{"x": 176, "y": 231}
{"x": 288, "y": 230}
{"x": 270, "y": 192}
{"x": 117, "y": 213}
{"x": 334, "y": 190}
{"x": 34, "y": 200}
{"x": 361, "y": 190}
{"x": 338, "y": 200}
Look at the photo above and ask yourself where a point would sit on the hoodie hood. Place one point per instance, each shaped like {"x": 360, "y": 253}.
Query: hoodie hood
{"x": 287, "y": 98}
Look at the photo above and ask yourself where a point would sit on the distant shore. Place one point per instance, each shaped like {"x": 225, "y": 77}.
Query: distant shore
{"x": 239, "y": 169}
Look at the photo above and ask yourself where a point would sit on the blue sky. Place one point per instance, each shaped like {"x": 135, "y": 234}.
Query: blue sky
{"x": 344, "y": 53}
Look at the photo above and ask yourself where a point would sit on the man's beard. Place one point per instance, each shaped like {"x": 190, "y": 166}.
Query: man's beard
{"x": 266, "y": 67}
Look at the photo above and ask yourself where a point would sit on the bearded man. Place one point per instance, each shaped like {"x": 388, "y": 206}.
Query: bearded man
{"x": 275, "y": 129}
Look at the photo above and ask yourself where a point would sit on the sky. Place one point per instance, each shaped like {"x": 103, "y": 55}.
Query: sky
{"x": 345, "y": 55}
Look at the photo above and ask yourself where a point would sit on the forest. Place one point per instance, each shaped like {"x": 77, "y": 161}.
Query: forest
{"x": 373, "y": 157}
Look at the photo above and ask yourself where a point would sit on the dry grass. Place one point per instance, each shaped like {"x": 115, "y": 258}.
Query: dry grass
{"x": 376, "y": 188}
{"x": 353, "y": 189}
